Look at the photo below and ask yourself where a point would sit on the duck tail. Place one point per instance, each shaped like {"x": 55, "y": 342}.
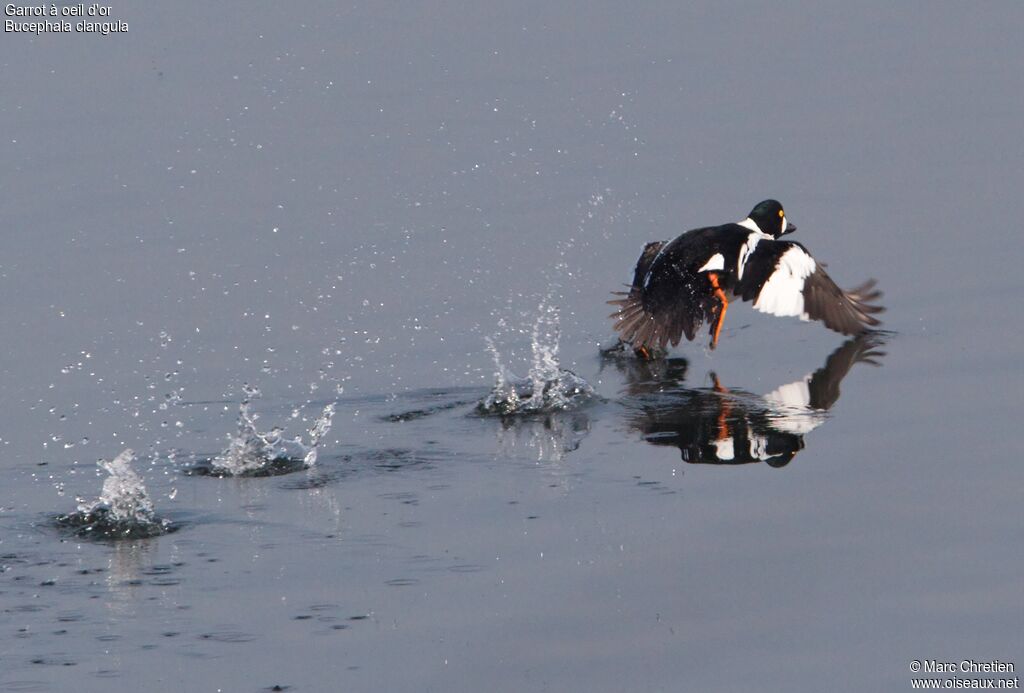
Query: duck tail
{"x": 634, "y": 324}
{"x": 628, "y": 316}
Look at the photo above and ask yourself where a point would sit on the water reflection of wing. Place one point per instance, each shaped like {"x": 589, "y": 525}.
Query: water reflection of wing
{"x": 721, "y": 426}
{"x": 800, "y": 407}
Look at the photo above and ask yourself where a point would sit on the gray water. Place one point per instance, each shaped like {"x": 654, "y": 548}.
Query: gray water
{"x": 343, "y": 204}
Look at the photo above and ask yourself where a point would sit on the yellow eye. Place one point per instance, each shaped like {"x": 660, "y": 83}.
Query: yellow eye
{"x": 781, "y": 214}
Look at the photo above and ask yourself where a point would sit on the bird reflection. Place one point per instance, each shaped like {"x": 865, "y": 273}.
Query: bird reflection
{"x": 719, "y": 425}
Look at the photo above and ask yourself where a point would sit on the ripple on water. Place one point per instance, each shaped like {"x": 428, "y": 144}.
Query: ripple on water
{"x": 25, "y": 608}
{"x": 466, "y": 568}
{"x": 58, "y": 659}
{"x": 24, "y": 686}
{"x": 278, "y": 466}
{"x": 423, "y": 412}
{"x": 228, "y": 636}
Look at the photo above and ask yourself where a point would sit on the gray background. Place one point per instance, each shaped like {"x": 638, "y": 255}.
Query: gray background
{"x": 309, "y": 196}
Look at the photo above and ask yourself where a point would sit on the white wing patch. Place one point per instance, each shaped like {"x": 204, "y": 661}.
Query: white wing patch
{"x": 795, "y": 395}
{"x": 791, "y": 408}
{"x": 783, "y": 293}
{"x": 716, "y": 262}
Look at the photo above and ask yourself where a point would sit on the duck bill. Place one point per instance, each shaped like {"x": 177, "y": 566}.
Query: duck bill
{"x": 790, "y": 228}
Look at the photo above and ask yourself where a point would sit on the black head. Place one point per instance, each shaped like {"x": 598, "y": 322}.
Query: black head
{"x": 771, "y": 218}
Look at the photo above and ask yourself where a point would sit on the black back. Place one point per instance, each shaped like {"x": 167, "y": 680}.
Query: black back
{"x": 672, "y": 286}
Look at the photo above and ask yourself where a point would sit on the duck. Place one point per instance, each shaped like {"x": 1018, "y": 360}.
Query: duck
{"x": 679, "y": 285}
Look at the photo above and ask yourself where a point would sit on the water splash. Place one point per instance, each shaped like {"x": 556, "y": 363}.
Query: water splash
{"x": 548, "y": 387}
{"x": 252, "y": 452}
{"x": 123, "y": 510}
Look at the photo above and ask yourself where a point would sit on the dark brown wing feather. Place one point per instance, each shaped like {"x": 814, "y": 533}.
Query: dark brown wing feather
{"x": 664, "y": 303}
{"x": 634, "y": 324}
{"x": 660, "y": 315}
{"x": 824, "y": 384}
{"x": 641, "y": 328}
{"x": 849, "y": 312}
{"x": 643, "y": 265}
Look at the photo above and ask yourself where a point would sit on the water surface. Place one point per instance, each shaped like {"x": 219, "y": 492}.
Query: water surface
{"x": 343, "y": 204}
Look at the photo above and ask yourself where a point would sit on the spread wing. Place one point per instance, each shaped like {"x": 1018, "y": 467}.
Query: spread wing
{"x": 643, "y": 265}
{"x": 660, "y": 306}
{"x": 823, "y": 387}
{"x": 849, "y": 312}
{"x": 782, "y": 278}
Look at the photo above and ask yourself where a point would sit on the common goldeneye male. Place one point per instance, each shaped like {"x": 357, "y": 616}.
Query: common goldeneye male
{"x": 679, "y": 284}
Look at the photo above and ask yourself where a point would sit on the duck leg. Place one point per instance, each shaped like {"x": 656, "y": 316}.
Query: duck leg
{"x": 725, "y": 407}
{"x": 720, "y": 295}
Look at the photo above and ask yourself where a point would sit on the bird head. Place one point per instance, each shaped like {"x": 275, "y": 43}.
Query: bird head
{"x": 770, "y": 218}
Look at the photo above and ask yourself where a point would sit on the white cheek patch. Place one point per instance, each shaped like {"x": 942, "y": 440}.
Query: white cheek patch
{"x": 716, "y": 262}
{"x": 783, "y": 294}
